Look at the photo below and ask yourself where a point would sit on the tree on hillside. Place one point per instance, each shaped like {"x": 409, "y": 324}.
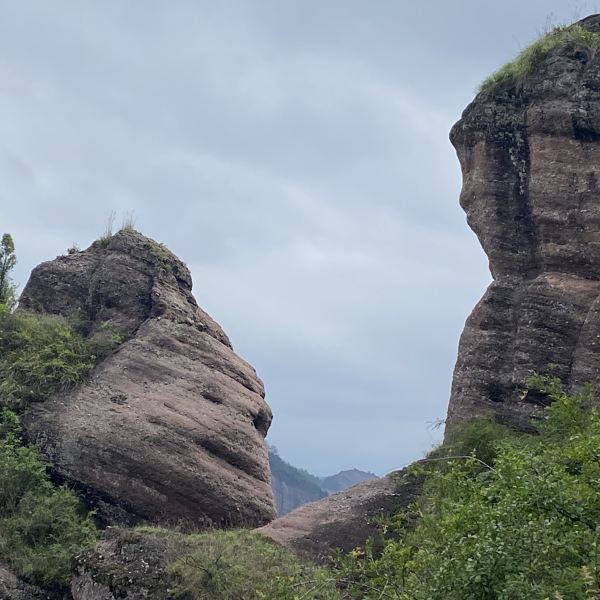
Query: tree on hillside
{"x": 8, "y": 260}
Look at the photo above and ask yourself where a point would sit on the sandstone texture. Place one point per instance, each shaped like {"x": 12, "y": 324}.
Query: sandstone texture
{"x": 126, "y": 564}
{"x": 529, "y": 150}
{"x": 345, "y": 520}
{"x": 170, "y": 426}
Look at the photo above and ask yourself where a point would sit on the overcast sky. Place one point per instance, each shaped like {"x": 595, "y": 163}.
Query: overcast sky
{"x": 295, "y": 155}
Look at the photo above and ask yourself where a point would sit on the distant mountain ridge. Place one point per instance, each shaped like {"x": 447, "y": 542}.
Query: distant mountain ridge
{"x": 293, "y": 487}
{"x": 345, "y": 479}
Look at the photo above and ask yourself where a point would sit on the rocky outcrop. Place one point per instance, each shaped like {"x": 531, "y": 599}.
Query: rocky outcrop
{"x": 12, "y": 588}
{"x": 529, "y": 148}
{"x": 345, "y": 520}
{"x": 127, "y": 564}
{"x": 345, "y": 479}
{"x": 170, "y": 426}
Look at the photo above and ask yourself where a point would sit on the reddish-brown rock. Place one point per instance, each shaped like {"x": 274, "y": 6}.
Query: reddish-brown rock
{"x": 529, "y": 149}
{"x": 170, "y": 426}
{"x": 345, "y": 520}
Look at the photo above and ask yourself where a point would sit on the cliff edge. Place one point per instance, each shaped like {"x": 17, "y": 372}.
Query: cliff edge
{"x": 529, "y": 149}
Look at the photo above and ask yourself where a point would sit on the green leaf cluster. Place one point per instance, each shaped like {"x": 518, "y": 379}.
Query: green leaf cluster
{"x": 41, "y": 526}
{"x": 524, "y": 525}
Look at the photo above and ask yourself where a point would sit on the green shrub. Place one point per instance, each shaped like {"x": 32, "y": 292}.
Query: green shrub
{"x": 223, "y": 565}
{"x": 481, "y": 439}
{"x": 530, "y": 58}
{"x": 39, "y": 356}
{"x": 526, "y": 526}
{"x": 41, "y": 526}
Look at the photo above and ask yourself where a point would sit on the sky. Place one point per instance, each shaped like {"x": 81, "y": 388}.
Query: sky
{"x": 295, "y": 155}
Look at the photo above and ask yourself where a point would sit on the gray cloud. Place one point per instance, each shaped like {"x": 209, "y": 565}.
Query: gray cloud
{"x": 295, "y": 155}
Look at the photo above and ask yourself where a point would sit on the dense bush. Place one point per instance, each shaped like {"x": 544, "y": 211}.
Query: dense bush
{"x": 41, "y": 526}
{"x": 525, "y": 526}
{"x": 39, "y": 355}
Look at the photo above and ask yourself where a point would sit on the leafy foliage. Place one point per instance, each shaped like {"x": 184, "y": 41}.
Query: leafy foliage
{"x": 525, "y": 526}
{"x": 39, "y": 355}
{"x": 41, "y": 526}
{"x": 529, "y": 58}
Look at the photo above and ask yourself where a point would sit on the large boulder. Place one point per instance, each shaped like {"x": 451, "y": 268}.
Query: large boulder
{"x": 529, "y": 148}
{"x": 345, "y": 520}
{"x": 170, "y": 426}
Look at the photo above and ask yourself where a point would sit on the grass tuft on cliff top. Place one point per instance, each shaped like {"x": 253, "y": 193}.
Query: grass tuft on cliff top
{"x": 529, "y": 58}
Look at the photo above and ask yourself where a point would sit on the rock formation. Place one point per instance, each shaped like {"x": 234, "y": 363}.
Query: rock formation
{"x": 344, "y": 520}
{"x": 12, "y": 588}
{"x": 127, "y": 565}
{"x": 170, "y": 426}
{"x": 529, "y": 148}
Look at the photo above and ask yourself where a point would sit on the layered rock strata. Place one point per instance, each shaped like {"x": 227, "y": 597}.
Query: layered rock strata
{"x": 170, "y": 426}
{"x": 529, "y": 149}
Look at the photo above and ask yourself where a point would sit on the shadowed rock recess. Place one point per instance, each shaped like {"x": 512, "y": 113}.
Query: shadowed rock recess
{"x": 170, "y": 426}
{"x": 529, "y": 149}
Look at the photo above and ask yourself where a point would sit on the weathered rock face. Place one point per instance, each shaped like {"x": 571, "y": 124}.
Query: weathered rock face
{"x": 169, "y": 427}
{"x": 126, "y": 564}
{"x": 12, "y": 588}
{"x": 530, "y": 158}
{"x": 345, "y": 520}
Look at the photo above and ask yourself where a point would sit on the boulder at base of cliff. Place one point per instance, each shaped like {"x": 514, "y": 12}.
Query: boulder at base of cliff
{"x": 345, "y": 520}
{"x": 170, "y": 426}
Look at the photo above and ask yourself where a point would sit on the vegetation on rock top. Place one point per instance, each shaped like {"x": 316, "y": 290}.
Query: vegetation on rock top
{"x": 530, "y": 58}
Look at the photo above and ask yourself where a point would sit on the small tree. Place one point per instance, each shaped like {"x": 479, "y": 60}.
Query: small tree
{"x": 8, "y": 260}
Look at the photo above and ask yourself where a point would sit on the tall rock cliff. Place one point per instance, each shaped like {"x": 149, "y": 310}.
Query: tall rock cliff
{"x": 529, "y": 148}
{"x": 170, "y": 426}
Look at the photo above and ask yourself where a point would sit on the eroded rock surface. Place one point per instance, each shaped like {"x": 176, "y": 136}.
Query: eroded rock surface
{"x": 170, "y": 426}
{"x": 12, "y": 588}
{"x": 530, "y": 157}
{"x": 345, "y": 520}
{"x": 126, "y": 564}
